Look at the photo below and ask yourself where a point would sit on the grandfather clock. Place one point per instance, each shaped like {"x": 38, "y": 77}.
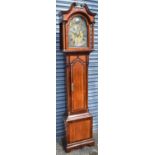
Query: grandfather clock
{"x": 77, "y": 30}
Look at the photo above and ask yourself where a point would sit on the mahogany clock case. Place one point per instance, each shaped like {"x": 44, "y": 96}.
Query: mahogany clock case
{"x": 78, "y": 123}
{"x": 77, "y": 41}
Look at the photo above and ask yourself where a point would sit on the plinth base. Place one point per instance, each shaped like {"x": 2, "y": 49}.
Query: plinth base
{"x": 78, "y": 131}
{"x": 77, "y": 145}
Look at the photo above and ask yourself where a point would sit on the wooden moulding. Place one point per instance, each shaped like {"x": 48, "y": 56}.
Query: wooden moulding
{"x": 77, "y": 145}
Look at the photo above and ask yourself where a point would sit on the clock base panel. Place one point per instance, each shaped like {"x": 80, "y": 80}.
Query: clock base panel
{"x": 78, "y": 131}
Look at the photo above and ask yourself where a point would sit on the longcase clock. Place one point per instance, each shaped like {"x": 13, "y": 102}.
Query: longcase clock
{"x": 77, "y": 30}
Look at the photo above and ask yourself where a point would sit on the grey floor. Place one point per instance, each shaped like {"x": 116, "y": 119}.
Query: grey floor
{"x": 93, "y": 150}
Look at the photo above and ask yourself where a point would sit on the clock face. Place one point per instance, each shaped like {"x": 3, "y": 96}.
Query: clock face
{"x": 77, "y": 33}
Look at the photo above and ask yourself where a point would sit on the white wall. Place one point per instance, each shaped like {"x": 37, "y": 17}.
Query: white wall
{"x": 27, "y": 77}
{"x": 127, "y": 103}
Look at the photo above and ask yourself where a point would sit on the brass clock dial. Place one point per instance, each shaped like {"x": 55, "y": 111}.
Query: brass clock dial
{"x": 77, "y": 32}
